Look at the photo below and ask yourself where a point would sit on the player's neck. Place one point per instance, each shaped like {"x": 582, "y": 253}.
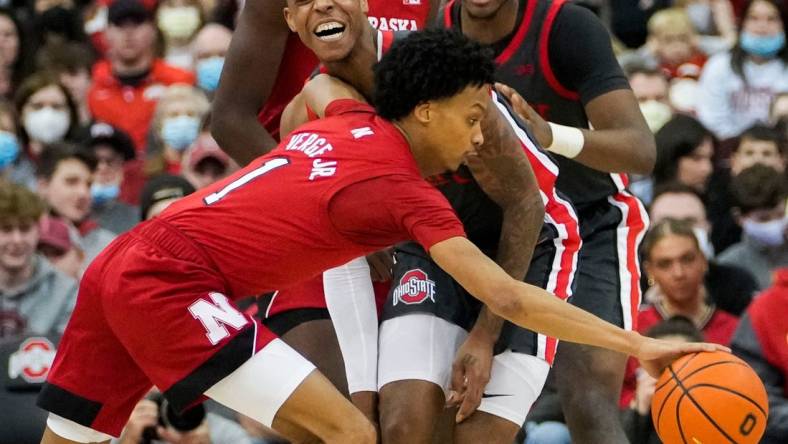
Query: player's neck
{"x": 356, "y": 68}
{"x": 491, "y": 29}
{"x": 415, "y": 135}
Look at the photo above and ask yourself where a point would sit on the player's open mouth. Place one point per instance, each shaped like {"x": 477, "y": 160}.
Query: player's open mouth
{"x": 330, "y": 31}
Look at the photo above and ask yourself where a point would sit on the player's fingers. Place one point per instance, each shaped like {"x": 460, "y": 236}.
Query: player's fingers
{"x": 458, "y": 377}
{"x": 691, "y": 347}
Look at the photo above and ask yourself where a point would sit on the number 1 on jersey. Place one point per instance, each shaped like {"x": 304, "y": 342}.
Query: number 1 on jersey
{"x": 246, "y": 178}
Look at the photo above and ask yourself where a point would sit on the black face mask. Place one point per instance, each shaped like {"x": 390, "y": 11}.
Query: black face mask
{"x": 60, "y": 21}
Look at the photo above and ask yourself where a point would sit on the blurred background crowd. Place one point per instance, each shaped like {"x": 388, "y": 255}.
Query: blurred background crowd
{"x": 104, "y": 114}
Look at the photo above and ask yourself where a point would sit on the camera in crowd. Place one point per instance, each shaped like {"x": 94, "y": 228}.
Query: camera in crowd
{"x": 185, "y": 421}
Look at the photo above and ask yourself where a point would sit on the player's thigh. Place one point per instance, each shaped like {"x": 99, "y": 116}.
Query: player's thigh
{"x": 516, "y": 380}
{"x": 417, "y": 346}
{"x": 316, "y": 340}
{"x": 278, "y": 387}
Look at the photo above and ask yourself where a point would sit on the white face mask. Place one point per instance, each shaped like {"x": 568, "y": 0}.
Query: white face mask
{"x": 47, "y": 125}
{"x": 178, "y": 22}
{"x": 770, "y": 234}
{"x": 656, "y": 114}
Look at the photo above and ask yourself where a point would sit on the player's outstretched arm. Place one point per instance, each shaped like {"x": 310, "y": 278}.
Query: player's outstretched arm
{"x": 504, "y": 173}
{"x": 250, "y": 70}
{"x": 536, "y": 309}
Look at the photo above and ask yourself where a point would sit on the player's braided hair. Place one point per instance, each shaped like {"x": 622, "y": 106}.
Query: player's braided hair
{"x": 428, "y": 65}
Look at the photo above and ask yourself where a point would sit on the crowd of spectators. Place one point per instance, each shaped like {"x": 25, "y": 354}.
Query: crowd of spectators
{"x": 104, "y": 114}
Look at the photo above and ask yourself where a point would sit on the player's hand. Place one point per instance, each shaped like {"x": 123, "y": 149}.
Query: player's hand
{"x": 380, "y": 265}
{"x": 542, "y": 131}
{"x": 470, "y": 373}
{"x": 656, "y": 354}
{"x": 144, "y": 415}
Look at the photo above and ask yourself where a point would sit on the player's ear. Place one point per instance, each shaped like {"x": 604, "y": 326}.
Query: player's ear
{"x": 289, "y": 19}
{"x": 364, "y": 6}
{"x": 423, "y": 112}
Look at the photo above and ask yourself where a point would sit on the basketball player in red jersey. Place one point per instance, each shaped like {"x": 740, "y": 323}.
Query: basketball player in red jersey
{"x": 558, "y": 56}
{"x": 180, "y": 272}
{"x": 267, "y": 65}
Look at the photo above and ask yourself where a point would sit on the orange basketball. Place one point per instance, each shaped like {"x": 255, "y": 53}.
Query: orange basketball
{"x": 709, "y": 398}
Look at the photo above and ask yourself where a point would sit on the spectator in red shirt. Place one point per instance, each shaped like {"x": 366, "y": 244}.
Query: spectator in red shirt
{"x": 676, "y": 268}
{"x": 761, "y": 341}
{"x": 128, "y": 84}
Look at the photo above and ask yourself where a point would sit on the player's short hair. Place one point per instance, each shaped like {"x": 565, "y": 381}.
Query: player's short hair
{"x": 758, "y": 187}
{"x": 428, "y": 65}
{"x": 18, "y": 205}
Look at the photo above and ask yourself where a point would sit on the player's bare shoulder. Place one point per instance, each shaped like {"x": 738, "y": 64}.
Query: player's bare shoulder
{"x": 323, "y": 89}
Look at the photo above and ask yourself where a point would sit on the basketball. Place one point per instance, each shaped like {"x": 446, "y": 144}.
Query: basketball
{"x": 705, "y": 398}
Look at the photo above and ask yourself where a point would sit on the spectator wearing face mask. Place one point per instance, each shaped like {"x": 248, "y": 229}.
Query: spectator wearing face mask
{"x": 127, "y": 86}
{"x": 112, "y": 148}
{"x": 179, "y": 117}
{"x": 65, "y": 174}
{"x": 737, "y": 87}
{"x": 71, "y": 63}
{"x": 760, "y": 193}
{"x": 757, "y": 145}
{"x": 34, "y": 296}
{"x": 179, "y": 21}
{"x": 731, "y": 286}
{"x": 209, "y": 48}
{"x": 650, "y": 86}
{"x": 15, "y": 166}
{"x": 47, "y": 113}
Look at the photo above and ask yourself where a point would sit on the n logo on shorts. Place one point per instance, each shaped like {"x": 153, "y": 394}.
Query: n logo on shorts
{"x": 414, "y": 288}
{"x": 214, "y": 316}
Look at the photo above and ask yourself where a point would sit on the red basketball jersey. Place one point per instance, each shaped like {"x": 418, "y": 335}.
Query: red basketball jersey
{"x": 335, "y": 189}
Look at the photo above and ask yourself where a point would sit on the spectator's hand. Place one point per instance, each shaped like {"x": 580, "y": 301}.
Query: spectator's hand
{"x": 656, "y": 354}
{"x": 144, "y": 415}
{"x": 380, "y": 265}
{"x": 542, "y": 131}
{"x": 470, "y": 373}
{"x": 644, "y": 392}
{"x": 200, "y": 435}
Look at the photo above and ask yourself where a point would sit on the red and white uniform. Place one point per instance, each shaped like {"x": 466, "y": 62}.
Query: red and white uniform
{"x": 156, "y": 306}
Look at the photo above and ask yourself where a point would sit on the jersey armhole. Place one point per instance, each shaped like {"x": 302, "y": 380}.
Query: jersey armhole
{"x": 544, "y": 53}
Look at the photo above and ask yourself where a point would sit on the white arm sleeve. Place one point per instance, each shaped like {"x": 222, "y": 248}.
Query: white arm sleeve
{"x": 350, "y": 299}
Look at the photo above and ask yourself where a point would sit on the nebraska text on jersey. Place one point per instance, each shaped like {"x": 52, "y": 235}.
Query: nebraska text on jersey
{"x": 414, "y": 288}
{"x": 393, "y": 24}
